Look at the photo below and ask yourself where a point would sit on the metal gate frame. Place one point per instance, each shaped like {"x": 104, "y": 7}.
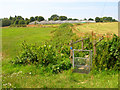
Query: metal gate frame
{"x": 90, "y": 58}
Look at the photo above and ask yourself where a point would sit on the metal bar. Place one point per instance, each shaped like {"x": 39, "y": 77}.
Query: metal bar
{"x": 73, "y": 58}
{"x": 91, "y": 59}
{"x": 89, "y": 68}
{"x": 80, "y": 58}
{"x": 82, "y": 65}
{"x": 79, "y": 40}
{"x": 81, "y": 50}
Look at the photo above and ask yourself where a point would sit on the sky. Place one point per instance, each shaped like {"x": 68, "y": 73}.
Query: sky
{"x": 71, "y": 8}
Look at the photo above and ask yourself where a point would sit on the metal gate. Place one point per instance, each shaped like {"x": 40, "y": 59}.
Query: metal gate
{"x": 82, "y": 60}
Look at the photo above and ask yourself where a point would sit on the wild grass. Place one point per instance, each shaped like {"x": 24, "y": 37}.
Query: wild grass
{"x": 12, "y": 38}
{"x": 35, "y": 77}
{"x": 31, "y": 76}
{"x": 100, "y": 28}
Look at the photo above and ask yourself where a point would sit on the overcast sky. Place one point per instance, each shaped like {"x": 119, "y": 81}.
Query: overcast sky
{"x": 71, "y": 8}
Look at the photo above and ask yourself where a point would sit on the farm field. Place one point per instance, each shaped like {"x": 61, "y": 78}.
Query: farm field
{"x": 12, "y": 38}
{"x": 31, "y": 76}
{"x": 99, "y": 28}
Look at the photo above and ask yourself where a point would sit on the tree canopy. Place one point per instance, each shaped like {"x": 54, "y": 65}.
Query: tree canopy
{"x": 54, "y": 17}
{"x": 62, "y": 18}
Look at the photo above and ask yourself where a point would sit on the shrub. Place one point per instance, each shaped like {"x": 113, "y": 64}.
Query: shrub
{"x": 6, "y": 22}
{"x": 108, "y": 55}
{"x": 44, "y": 55}
{"x": 65, "y": 25}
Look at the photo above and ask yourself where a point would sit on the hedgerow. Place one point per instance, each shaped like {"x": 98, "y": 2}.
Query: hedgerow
{"x": 55, "y": 53}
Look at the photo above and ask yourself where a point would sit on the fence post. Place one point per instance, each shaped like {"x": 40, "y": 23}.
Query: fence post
{"x": 82, "y": 44}
{"x": 71, "y": 51}
{"x": 94, "y": 46}
{"x": 92, "y": 36}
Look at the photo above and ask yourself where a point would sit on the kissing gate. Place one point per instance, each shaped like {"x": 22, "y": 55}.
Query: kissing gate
{"x": 81, "y": 59}
{"x": 83, "y": 63}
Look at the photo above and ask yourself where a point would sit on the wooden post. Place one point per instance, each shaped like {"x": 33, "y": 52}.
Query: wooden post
{"x": 92, "y": 35}
{"x": 82, "y": 44}
{"x": 94, "y": 46}
{"x": 71, "y": 51}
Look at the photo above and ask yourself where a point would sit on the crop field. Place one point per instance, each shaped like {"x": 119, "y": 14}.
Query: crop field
{"x": 97, "y": 28}
{"x": 100, "y": 28}
{"x": 20, "y": 74}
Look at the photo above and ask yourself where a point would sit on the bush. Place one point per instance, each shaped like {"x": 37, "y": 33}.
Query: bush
{"x": 6, "y": 22}
{"x": 44, "y": 55}
{"x": 108, "y": 55}
{"x": 63, "y": 65}
{"x": 18, "y": 25}
{"x": 66, "y": 25}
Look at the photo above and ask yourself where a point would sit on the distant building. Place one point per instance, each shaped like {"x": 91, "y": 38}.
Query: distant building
{"x": 60, "y": 22}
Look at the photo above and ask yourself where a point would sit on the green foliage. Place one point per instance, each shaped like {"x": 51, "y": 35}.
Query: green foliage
{"x": 21, "y": 22}
{"x": 105, "y": 19}
{"x": 97, "y": 19}
{"x": 85, "y": 18}
{"x": 53, "y": 54}
{"x": 32, "y": 19}
{"x": 40, "y": 18}
{"x": 27, "y": 22}
{"x": 62, "y": 35}
{"x": 75, "y": 19}
{"x": 55, "y": 51}
{"x": 44, "y": 55}
{"x": 6, "y": 22}
{"x": 63, "y": 65}
{"x": 91, "y": 19}
{"x": 66, "y": 25}
{"x": 69, "y": 18}
{"x": 54, "y": 17}
{"x": 62, "y": 18}
{"x": 36, "y": 17}
{"x": 19, "y": 25}
{"x": 108, "y": 55}
{"x": 16, "y": 22}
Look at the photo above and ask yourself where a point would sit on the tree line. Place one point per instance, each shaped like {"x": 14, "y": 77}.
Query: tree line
{"x": 105, "y": 19}
{"x": 20, "y": 21}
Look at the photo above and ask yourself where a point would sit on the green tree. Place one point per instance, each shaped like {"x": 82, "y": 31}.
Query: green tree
{"x": 20, "y": 18}
{"x": 104, "y": 19}
{"x": 85, "y": 18}
{"x": 97, "y": 19}
{"x": 21, "y": 22}
{"x": 26, "y": 19}
{"x": 10, "y": 18}
{"x": 75, "y": 19}
{"x": 32, "y": 19}
{"x": 36, "y": 17}
{"x": 6, "y": 22}
{"x": 101, "y": 19}
{"x": 16, "y": 22}
{"x": 54, "y": 17}
{"x": 69, "y": 18}
{"x": 62, "y": 18}
{"x": 27, "y": 22}
{"x": 109, "y": 19}
{"x": 113, "y": 20}
{"x": 90, "y": 19}
{"x": 40, "y": 18}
